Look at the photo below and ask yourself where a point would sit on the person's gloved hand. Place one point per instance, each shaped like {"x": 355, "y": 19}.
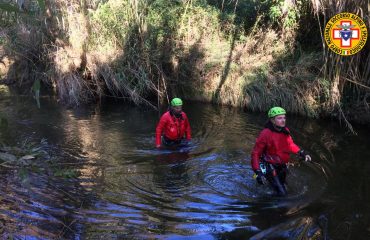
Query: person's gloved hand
{"x": 259, "y": 177}
{"x": 303, "y": 155}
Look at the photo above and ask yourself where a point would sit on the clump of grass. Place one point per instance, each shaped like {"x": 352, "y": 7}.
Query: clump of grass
{"x": 23, "y": 56}
{"x": 249, "y": 60}
{"x": 21, "y": 40}
{"x": 98, "y": 58}
{"x": 292, "y": 83}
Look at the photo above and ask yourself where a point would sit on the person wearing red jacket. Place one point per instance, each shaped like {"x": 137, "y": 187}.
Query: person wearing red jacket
{"x": 173, "y": 126}
{"x": 272, "y": 150}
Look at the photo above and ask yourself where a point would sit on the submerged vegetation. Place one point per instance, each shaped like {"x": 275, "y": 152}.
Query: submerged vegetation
{"x": 246, "y": 53}
{"x": 31, "y": 156}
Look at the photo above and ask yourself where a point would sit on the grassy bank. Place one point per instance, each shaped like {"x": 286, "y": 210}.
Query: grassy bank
{"x": 247, "y": 53}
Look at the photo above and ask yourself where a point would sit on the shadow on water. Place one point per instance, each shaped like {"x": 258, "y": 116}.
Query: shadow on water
{"x": 126, "y": 189}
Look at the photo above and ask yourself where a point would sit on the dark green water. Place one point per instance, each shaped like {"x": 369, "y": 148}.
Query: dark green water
{"x": 125, "y": 189}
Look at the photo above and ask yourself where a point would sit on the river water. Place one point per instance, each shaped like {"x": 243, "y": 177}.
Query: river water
{"x": 123, "y": 188}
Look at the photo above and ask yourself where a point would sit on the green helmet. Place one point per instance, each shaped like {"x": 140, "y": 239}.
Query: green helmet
{"x": 276, "y": 111}
{"x": 176, "y": 102}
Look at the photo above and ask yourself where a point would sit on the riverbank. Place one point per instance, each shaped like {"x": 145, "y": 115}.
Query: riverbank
{"x": 198, "y": 50}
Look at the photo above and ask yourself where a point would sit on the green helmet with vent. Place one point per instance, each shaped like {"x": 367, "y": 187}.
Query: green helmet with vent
{"x": 176, "y": 102}
{"x": 276, "y": 111}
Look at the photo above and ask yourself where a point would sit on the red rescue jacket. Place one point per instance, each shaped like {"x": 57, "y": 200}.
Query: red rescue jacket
{"x": 277, "y": 146}
{"x": 172, "y": 127}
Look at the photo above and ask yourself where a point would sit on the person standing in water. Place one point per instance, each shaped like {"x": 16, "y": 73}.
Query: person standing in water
{"x": 173, "y": 127}
{"x": 272, "y": 150}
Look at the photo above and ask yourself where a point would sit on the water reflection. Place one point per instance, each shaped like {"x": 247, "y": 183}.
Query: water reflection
{"x": 126, "y": 189}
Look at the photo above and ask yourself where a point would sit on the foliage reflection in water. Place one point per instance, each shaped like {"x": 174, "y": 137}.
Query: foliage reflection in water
{"x": 123, "y": 188}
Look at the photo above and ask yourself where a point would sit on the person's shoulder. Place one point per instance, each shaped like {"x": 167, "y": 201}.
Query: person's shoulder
{"x": 166, "y": 115}
{"x": 184, "y": 114}
{"x": 265, "y": 132}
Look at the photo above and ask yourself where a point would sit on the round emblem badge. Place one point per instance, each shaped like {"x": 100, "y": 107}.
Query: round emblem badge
{"x": 345, "y": 34}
